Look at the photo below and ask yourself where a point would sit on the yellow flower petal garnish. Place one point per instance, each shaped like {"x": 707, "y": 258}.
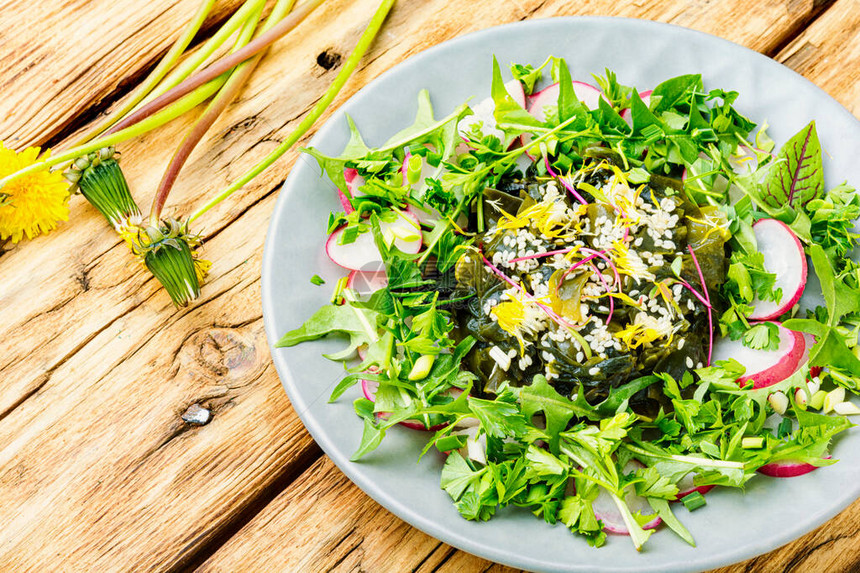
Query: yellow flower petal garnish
{"x": 34, "y": 203}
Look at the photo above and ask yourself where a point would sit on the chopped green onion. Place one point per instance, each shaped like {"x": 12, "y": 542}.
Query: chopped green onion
{"x": 693, "y": 501}
{"x": 449, "y": 443}
{"x": 784, "y": 428}
{"x": 339, "y": 287}
{"x": 752, "y": 442}
{"x": 317, "y": 280}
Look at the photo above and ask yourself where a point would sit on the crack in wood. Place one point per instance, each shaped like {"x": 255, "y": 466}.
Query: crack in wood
{"x": 203, "y": 546}
{"x": 819, "y": 7}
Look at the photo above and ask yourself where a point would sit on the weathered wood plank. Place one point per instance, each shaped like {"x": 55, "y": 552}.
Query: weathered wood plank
{"x": 328, "y": 524}
{"x": 96, "y": 467}
{"x": 333, "y": 534}
{"x": 59, "y": 59}
{"x": 828, "y": 53}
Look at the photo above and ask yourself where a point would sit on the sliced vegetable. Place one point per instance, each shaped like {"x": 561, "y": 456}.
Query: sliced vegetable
{"x": 784, "y": 257}
{"x": 606, "y": 510}
{"x": 361, "y": 254}
{"x": 764, "y": 367}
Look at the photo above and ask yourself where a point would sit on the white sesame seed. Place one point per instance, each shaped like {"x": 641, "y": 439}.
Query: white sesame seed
{"x": 689, "y": 362}
{"x": 594, "y": 371}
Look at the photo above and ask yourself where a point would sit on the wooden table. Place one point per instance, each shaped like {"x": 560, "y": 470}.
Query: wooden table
{"x": 98, "y": 471}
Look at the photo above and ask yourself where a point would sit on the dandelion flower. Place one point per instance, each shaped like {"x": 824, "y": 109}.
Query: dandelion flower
{"x": 34, "y": 203}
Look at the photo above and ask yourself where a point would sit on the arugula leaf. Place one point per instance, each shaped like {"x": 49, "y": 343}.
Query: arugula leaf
{"x": 796, "y": 176}
{"x": 358, "y": 324}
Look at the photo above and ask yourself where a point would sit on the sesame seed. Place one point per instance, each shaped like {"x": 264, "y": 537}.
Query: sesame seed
{"x": 689, "y": 362}
{"x": 594, "y": 371}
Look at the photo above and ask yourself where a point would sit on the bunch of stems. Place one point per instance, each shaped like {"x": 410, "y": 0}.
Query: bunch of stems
{"x": 170, "y": 90}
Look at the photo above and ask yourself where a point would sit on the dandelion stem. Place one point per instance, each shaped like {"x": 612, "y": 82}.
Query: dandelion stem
{"x": 237, "y": 79}
{"x": 309, "y": 120}
{"x": 190, "y": 101}
{"x": 143, "y": 89}
{"x": 224, "y": 64}
{"x": 200, "y": 55}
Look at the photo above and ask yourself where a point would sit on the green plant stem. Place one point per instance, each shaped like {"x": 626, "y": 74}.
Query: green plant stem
{"x": 204, "y": 122}
{"x": 195, "y": 60}
{"x": 143, "y": 89}
{"x": 219, "y": 67}
{"x": 185, "y": 104}
{"x": 351, "y": 63}
{"x": 114, "y": 135}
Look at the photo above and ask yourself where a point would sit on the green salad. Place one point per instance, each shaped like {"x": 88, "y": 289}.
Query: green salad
{"x": 590, "y": 298}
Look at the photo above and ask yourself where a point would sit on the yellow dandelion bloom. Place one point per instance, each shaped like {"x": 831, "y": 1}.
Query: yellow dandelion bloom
{"x": 34, "y": 203}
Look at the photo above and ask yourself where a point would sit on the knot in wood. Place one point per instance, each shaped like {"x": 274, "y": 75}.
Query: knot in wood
{"x": 224, "y": 353}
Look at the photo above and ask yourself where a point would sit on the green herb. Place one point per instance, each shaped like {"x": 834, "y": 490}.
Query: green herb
{"x": 693, "y": 501}
{"x": 317, "y": 280}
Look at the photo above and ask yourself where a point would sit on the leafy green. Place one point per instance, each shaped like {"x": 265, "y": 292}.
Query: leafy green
{"x": 796, "y": 176}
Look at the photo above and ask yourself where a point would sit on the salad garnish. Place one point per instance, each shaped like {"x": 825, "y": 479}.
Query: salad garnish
{"x": 590, "y": 296}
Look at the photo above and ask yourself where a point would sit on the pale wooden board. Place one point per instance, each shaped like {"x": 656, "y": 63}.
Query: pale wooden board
{"x": 322, "y": 522}
{"x": 61, "y": 58}
{"x": 828, "y": 53}
{"x": 96, "y": 468}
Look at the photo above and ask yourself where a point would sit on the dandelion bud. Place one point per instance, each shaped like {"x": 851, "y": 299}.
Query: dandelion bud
{"x": 169, "y": 252}
{"x": 101, "y": 181}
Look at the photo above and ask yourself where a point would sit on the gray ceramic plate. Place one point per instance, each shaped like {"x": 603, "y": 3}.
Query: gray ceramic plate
{"x": 733, "y": 526}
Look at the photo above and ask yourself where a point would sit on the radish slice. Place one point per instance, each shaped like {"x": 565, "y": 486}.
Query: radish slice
{"x": 483, "y": 112}
{"x": 362, "y": 254}
{"x": 764, "y": 367}
{"x": 627, "y": 115}
{"x": 366, "y": 283}
{"x": 606, "y": 511}
{"x": 784, "y": 257}
{"x": 353, "y": 181}
{"x": 786, "y": 469}
{"x": 687, "y": 485}
{"x": 587, "y": 94}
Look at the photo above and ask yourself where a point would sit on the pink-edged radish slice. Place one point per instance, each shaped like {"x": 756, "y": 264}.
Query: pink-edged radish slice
{"x": 483, "y": 112}
{"x": 364, "y": 282}
{"x": 784, "y": 257}
{"x": 548, "y": 97}
{"x": 362, "y": 255}
{"x": 606, "y": 511}
{"x": 353, "y": 182}
{"x": 627, "y": 115}
{"x": 787, "y": 468}
{"x": 369, "y": 388}
{"x": 687, "y": 485}
{"x": 764, "y": 367}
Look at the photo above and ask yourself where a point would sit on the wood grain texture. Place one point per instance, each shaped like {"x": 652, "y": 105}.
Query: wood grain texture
{"x": 828, "y": 53}
{"x": 97, "y": 469}
{"x": 62, "y": 58}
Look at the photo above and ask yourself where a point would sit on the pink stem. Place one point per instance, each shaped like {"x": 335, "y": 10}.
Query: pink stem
{"x": 540, "y": 255}
{"x": 567, "y": 185}
{"x": 551, "y": 313}
{"x": 695, "y": 293}
{"x": 218, "y": 67}
{"x": 605, "y": 257}
{"x": 708, "y": 299}
{"x": 608, "y": 291}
